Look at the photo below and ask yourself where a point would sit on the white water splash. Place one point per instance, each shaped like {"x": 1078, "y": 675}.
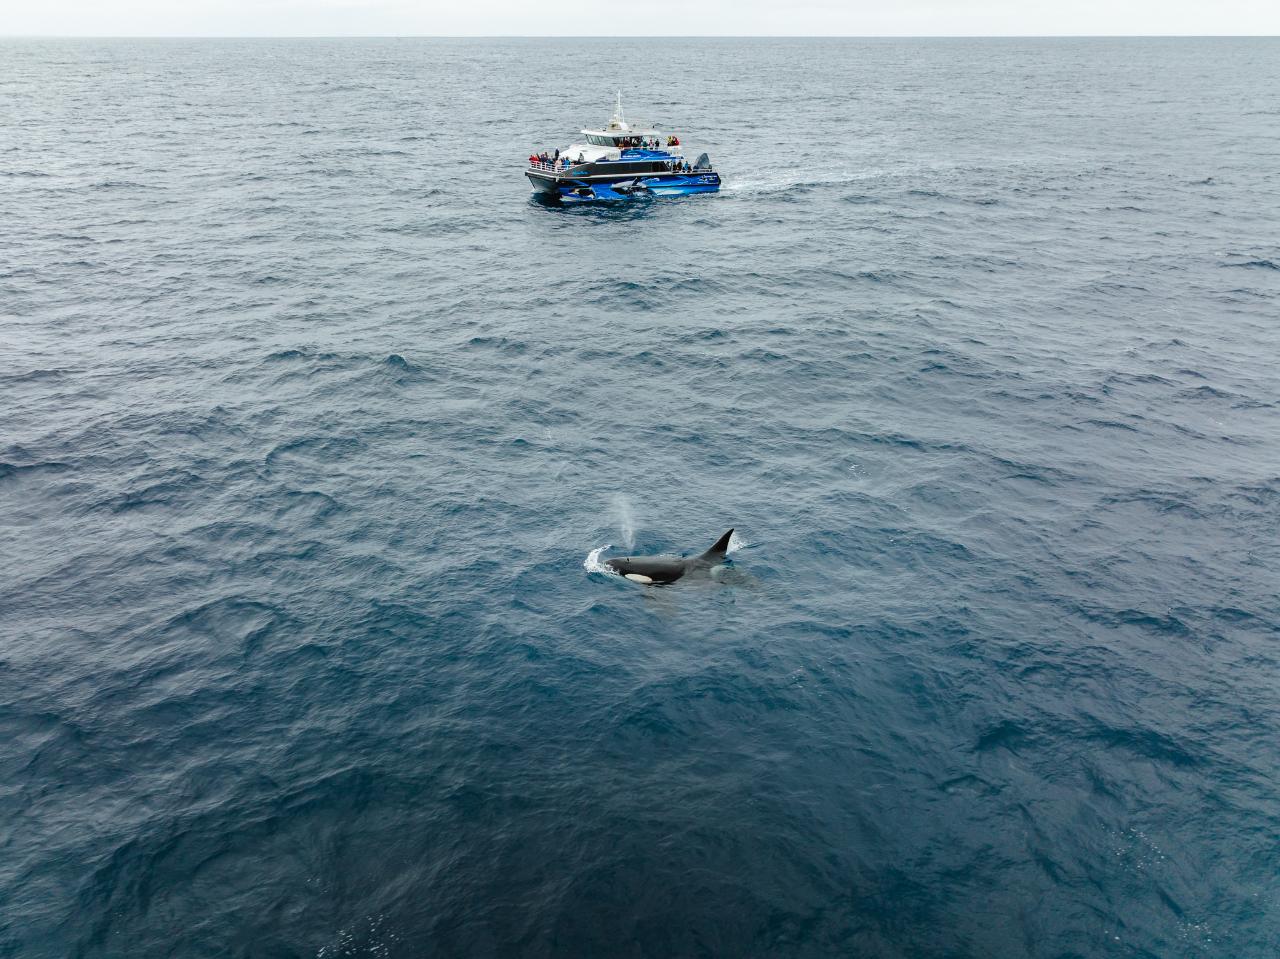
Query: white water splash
{"x": 736, "y": 543}
{"x": 592, "y": 563}
{"x": 626, "y": 521}
{"x": 354, "y": 941}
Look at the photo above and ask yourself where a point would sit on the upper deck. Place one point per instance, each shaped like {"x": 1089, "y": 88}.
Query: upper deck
{"x": 624, "y": 136}
{"x": 614, "y": 153}
{"x": 620, "y": 135}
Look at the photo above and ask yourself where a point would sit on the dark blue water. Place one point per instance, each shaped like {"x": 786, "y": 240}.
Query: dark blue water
{"x": 310, "y": 417}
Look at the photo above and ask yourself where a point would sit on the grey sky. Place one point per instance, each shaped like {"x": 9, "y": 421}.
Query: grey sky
{"x": 679, "y": 17}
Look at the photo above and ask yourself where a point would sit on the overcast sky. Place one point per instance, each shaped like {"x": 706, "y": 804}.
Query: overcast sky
{"x": 651, "y": 17}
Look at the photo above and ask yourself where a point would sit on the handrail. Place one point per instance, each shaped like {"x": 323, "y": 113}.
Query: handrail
{"x": 560, "y": 166}
{"x": 564, "y": 167}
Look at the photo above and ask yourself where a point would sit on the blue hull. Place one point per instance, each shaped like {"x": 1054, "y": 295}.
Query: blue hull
{"x": 585, "y": 191}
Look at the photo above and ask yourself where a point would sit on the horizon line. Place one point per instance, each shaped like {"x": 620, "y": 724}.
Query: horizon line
{"x": 594, "y": 36}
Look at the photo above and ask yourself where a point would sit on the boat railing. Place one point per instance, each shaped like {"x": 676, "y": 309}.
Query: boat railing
{"x": 563, "y": 166}
{"x": 551, "y": 166}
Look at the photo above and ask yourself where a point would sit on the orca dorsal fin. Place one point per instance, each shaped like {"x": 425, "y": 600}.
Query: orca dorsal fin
{"x": 716, "y": 553}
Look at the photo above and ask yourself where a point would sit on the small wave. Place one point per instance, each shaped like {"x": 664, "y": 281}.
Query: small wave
{"x": 1113, "y": 425}
{"x": 1157, "y": 501}
{"x": 8, "y": 470}
{"x": 706, "y": 336}
{"x": 1003, "y": 735}
{"x": 309, "y": 506}
{"x": 592, "y": 563}
{"x": 1144, "y": 742}
{"x": 282, "y": 356}
{"x": 1143, "y": 378}
{"x": 313, "y": 450}
{"x": 370, "y": 152}
{"x": 1256, "y": 265}
{"x": 175, "y": 488}
{"x": 36, "y": 376}
{"x": 1207, "y": 393}
{"x": 285, "y": 355}
{"x": 502, "y": 344}
{"x": 397, "y": 362}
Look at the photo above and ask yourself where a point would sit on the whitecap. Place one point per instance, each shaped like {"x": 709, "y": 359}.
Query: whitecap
{"x": 592, "y": 563}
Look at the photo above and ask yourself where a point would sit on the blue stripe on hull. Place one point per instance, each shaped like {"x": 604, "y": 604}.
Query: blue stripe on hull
{"x": 649, "y": 187}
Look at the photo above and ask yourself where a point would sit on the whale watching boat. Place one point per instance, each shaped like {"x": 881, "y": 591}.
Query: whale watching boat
{"x": 624, "y": 161}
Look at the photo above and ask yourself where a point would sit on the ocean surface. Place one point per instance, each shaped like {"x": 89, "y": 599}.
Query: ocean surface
{"x": 313, "y": 425}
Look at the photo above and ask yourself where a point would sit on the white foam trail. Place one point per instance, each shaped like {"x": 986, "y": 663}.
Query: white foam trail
{"x": 626, "y": 521}
{"x": 780, "y": 183}
{"x": 592, "y": 563}
{"x": 736, "y": 543}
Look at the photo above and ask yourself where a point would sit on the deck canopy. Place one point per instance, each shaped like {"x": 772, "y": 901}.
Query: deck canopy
{"x": 615, "y": 137}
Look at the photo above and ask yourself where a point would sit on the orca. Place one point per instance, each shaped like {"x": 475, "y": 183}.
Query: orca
{"x": 660, "y": 570}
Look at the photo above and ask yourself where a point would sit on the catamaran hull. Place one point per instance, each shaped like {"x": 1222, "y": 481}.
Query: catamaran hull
{"x": 596, "y": 189}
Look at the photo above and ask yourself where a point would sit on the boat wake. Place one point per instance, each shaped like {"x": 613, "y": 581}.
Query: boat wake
{"x": 787, "y": 183}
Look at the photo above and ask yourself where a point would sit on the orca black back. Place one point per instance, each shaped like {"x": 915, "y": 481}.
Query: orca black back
{"x": 657, "y": 570}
